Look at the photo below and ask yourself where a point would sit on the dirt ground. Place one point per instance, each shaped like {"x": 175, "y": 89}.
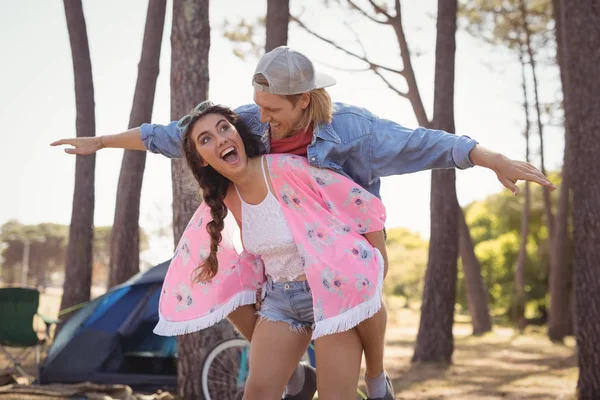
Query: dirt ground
{"x": 498, "y": 365}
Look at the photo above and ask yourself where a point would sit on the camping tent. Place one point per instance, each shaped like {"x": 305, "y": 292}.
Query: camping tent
{"x": 110, "y": 340}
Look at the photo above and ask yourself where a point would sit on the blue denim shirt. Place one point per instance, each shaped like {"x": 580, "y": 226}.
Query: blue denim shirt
{"x": 357, "y": 144}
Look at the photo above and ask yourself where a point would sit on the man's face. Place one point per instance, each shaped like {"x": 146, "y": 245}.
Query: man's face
{"x": 279, "y": 112}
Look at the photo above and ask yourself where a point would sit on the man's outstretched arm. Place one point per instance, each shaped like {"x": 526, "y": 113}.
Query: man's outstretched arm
{"x": 397, "y": 150}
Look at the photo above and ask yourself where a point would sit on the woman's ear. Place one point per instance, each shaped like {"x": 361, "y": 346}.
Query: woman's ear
{"x": 203, "y": 163}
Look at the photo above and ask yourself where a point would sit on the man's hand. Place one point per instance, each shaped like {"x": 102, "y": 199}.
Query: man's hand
{"x": 509, "y": 171}
{"x": 81, "y": 146}
{"x": 258, "y": 303}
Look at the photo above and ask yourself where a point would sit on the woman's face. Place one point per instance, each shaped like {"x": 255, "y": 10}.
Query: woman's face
{"x": 219, "y": 144}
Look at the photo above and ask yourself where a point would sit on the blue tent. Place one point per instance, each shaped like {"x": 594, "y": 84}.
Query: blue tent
{"x": 110, "y": 340}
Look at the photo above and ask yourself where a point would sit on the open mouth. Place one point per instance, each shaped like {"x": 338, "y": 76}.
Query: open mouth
{"x": 230, "y": 155}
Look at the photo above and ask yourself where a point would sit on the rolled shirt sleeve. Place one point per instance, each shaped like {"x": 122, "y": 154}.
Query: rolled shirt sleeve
{"x": 166, "y": 139}
{"x": 162, "y": 139}
{"x": 398, "y": 150}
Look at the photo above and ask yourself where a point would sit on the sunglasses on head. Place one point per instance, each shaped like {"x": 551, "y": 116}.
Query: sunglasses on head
{"x": 185, "y": 120}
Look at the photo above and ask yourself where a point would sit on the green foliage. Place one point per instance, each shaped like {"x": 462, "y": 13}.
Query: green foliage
{"x": 495, "y": 225}
{"x": 407, "y": 257}
{"x": 499, "y": 22}
{"x": 48, "y": 245}
{"x": 495, "y": 228}
{"x": 247, "y": 37}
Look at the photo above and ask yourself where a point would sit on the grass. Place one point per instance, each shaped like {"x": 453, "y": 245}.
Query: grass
{"x": 497, "y": 365}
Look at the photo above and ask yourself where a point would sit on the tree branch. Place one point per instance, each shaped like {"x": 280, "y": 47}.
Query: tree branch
{"x": 342, "y": 68}
{"x": 380, "y": 10}
{"x": 350, "y": 53}
{"x": 360, "y": 43}
{"x": 398, "y": 11}
{"x": 363, "y": 12}
{"x": 409, "y": 74}
{"x": 389, "y": 84}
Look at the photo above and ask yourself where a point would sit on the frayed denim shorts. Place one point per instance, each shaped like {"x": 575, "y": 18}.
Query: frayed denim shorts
{"x": 289, "y": 302}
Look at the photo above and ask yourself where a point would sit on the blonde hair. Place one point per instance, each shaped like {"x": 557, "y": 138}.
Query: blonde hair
{"x": 319, "y": 109}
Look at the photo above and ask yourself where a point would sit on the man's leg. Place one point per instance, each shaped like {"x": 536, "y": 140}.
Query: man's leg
{"x": 372, "y": 336}
{"x": 372, "y": 331}
{"x": 244, "y": 319}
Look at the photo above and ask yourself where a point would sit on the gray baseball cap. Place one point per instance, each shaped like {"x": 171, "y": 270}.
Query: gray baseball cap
{"x": 289, "y": 72}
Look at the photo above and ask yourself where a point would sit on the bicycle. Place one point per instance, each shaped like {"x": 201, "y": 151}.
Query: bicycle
{"x": 225, "y": 370}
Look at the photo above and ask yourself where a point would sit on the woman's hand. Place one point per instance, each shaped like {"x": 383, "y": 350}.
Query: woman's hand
{"x": 82, "y": 146}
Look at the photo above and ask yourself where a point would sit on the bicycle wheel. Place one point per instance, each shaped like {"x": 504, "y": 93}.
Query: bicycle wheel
{"x": 225, "y": 370}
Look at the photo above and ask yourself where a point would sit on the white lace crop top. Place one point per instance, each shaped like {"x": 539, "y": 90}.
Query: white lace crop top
{"x": 265, "y": 232}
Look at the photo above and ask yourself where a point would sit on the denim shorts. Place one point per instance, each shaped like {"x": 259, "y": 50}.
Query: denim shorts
{"x": 289, "y": 302}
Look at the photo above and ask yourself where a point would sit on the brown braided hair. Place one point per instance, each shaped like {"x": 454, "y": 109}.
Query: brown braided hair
{"x": 212, "y": 184}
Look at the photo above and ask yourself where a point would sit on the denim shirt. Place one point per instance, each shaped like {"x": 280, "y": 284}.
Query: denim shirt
{"x": 356, "y": 144}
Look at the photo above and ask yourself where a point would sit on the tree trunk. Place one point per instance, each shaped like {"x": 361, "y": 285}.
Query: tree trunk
{"x": 581, "y": 24}
{"x": 125, "y": 234}
{"x": 520, "y": 300}
{"x": 481, "y": 316}
{"x": 477, "y": 294}
{"x": 278, "y": 17}
{"x": 518, "y": 303}
{"x": 540, "y": 126}
{"x": 190, "y": 43}
{"x": 78, "y": 268}
{"x": 560, "y": 319}
{"x": 41, "y": 278}
{"x": 413, "y": 95}
{"x": 435, "y": 340}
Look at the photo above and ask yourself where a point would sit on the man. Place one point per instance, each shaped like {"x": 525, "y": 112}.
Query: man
{"x": 294, "y": 114}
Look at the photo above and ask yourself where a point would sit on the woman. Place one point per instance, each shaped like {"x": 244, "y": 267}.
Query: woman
{"x": 315, "y": 234}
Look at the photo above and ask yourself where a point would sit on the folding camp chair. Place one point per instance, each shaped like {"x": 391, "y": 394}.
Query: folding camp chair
{"x": 18, "y": 307}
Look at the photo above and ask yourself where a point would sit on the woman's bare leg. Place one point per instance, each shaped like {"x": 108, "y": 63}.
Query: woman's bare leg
{"x": 274, "y": 354}
{"x": 338, "y": 365}
{"x": 244, "y": 319}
